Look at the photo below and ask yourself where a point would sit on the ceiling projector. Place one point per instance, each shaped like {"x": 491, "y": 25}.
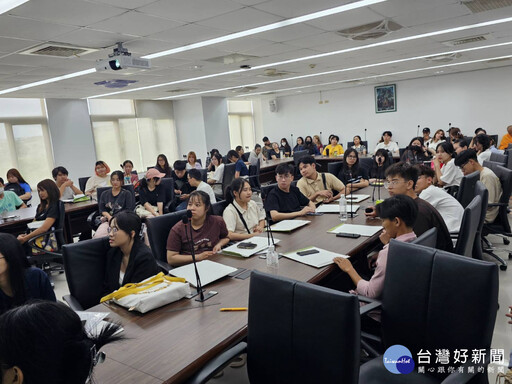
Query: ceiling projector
{"x": 121, "y": 59}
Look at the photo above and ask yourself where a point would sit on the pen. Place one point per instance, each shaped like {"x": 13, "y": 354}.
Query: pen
{"x": 233, "y": 309}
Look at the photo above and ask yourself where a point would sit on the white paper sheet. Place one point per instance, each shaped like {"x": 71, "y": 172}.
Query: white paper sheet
{"x": 357, "y": 198}
{"x": 317, "y": 260}
{"x": 363, "y": 230}
{"x": 261, "y": 244}
{"x": 209, "y": 271}
{"x": 335, "y": 208}
{"x": 288, "y": 225}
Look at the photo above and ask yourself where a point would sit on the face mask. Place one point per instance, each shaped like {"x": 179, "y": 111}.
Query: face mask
{"x": 1, "y": 190}
{"x": 283, "y": 144}
{"x": 308, "y": 142}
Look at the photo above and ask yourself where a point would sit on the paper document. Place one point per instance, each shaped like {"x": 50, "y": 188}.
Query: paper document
{"x": 288, "y": 225}
{"x": 261, "y": 244}
{"x": 209, "y": 271}
{"x": 363, "y": 230}
{"x": 356, "y": 198}
{"x": 317, "y": 260}
{"x": 335, "y": 208}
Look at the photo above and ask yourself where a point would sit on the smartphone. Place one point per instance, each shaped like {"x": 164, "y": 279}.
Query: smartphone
{"x": 349, "y": 235}
{"x": 308, "y": 252}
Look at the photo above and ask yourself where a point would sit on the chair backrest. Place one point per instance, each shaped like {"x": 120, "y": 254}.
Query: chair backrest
{"x": 350, "y": 144}
{"x": 228, "y": 176}
{"x": 245, "y": 156}
{"x": 82, "y": 181}
{"x": 128, "y": 187}
{"x": 218, "y": 207}
{"x": 433, "y": 298}
{"x": 60, "y": 225}
{"x": 158, "y": 232}
{"x": 168, "y": 185}
{"x": 297, "y": 155}
{"x": 466, "y": 190}
{"x": 427, "y": 239}
{"x": 499, "y": 158}
{"x": 495, "y": 138}
{"x": 469, "y": 227}
{"x": 334, "y": 168}
{"x": 84, "y": 264}
{"x": 366, "y": 163}
{"x": 401, "y": 151}
{"x": 204, "y": 174}
{"x": 301, "y": 333}
{"x": 265, "y": 190}
{"x": 480, "y": 190}
{"x": 505, "y": 176}
{"x": 254, "y": 175}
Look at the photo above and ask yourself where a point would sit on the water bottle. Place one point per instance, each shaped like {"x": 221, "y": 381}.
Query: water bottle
{"x": 343, "y": 208}
{"x": 282, "y": 153}
{"x": 272, "y": 258}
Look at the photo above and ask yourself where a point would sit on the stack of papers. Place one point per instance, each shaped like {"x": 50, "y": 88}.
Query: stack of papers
{"x": 261, "y": 244}
{"x": 209, "y": 271}
{"x": 356, "y": 198}
{"x": 288, "y": 225}
{"x": 335, "y": 208}
{"x": 317, "y": 260}
{"x": 363, "y": 230}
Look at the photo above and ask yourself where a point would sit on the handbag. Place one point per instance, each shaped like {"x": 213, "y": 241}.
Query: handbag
{"x": 154, "y": 292}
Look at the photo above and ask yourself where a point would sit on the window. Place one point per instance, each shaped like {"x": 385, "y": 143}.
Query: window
{"x": 241, "y": 124}
{"x": 24, "y": 139}
{"x": 120, "y": 135}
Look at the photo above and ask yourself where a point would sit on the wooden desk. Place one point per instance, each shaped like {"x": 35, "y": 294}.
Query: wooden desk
{"x": 19, "y": 225}
{"x": 169, "y": 344}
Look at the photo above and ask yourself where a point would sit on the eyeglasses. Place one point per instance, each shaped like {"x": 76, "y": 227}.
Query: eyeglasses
{"x": 461, "y": 167}
{"x": 282, "y": 177}
{"x": 112, "y": 230}
{"x": 393, "y": 183}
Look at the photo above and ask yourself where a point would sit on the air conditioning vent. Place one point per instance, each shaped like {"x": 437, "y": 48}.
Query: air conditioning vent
{"x": 466, "y": 40}
{"x": 231, "y": 59}
{"x": 443, "y": 58}
{"x": 370, "y": 31}
{"x": 58, "y": 50}
{"x": 477, "y": 6}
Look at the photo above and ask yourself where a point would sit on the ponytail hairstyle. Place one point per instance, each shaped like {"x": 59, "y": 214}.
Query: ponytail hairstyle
{"x": 48, "y": 343}
{"x": 17, "y": 262}
{"x": 236, "y": 186}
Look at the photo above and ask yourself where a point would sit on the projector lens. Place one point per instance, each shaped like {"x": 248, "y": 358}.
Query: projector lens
{"x": 115, "y": 65}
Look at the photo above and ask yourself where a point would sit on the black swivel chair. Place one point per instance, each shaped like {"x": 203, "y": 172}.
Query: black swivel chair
{"x": 82, "y": 181}
{"x": 466, "y": 190}
{"x": 297, "y": 155}
{"x": 218, "y": 207}
{"x": 158, "y": 232}
{"x": 469, "y": 228}
{"x": 245, "y": 156}
{"x": 227, "y": 178}
{"x": 204, "y": 174}
{"x": 350, "y": 144}
{"x": 401, "y": 151}
{"x": 84, "y": 263}
{"x": 301, "y": 333}
{"x": 434, "y": 299}
{"x": 254, "y": 177}
{"x": 167, "y": 184}
{"x": 508, "y": 152}
{"x": 335, "y": 167}
{"x": 499, "y": 158}
{"x": 427, "y": 239}
{"x": 481, "y": 191}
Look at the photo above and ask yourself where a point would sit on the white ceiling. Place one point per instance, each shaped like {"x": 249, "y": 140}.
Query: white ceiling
{"x": 149, "y": 26}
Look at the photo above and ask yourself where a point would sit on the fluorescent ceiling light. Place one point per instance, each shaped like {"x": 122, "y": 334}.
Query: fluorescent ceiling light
{"x": 340, "y": 70}
{"x": 265, "y": 28}
{"x": 414, "y": 37}
{"x": 7, "y": 5}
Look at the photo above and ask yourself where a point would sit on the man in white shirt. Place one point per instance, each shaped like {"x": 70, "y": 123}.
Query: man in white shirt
{"x": 447, "y": 206}
{"x": 482, "y": 144}
{"x": 195, "y": 180}
{"x": 386, "y": 143}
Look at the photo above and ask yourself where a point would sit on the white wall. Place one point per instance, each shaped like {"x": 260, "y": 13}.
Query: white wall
{"x": 71, "y": 136}
{"x": 467, "y": 100}
{"x": 190, "y": 127}
{"x": 215, "y": 114}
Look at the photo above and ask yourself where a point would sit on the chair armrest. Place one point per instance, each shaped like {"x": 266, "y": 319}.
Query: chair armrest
{"x": 90, "y": 219}
{"x": 217, "y": 363}
{"x": 163, "y": 266}
{"x": 372, "y": 304}
{"x": 32, "y": 240}
{"x": 73, "y": 303}
{"x": 497, "y": 205}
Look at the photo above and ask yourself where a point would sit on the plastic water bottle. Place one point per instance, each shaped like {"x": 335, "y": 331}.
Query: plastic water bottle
{"x": 272, "y": 258}
{"x": 343, "y": 208}
{"x": 282, "y": 153}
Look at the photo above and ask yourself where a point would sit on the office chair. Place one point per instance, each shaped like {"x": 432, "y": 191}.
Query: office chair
{"x": 227, "y": 178}
{"x": 82, "y": 182}
{"x": 93, "y": 218}
{"x": 427, "y": 239}
{"x": 84, "y": 263}
{"x": 204, "y": 174}
{"x": 350, "y": 144}
{"x": 481, "y": 191}
{"x": 434, "y": 299}
{"x": 466, "y": 190}
{"x": 469, "y": 228}
{"x": 254, "y": 177}
{"x": 167, "y": 184}
{"x": 499, "y": 158}
{"x": 301, "y": 333}
{"x": 245, "y": 156}
{"x": 335, "y": 167}
{"x": 218, "y": 207}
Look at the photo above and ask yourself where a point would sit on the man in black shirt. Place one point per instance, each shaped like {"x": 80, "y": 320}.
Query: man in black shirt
{"x": 182, "y": 188}
{"x": 401, "y": 180}
{"x": 286, "y": 201}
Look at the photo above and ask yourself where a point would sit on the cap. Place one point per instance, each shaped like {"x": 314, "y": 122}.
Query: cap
{"x": 426, "y": 130}
{"x": 152, "y": 172}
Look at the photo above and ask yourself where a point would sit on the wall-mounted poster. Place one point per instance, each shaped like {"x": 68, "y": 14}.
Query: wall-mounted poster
{"x": 385, "y": 98}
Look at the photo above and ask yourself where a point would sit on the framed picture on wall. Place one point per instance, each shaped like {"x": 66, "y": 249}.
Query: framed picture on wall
{"x": 385, "y": 98}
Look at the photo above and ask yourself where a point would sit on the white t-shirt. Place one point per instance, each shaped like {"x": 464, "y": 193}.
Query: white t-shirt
{"x": 451, "y": 174}
{"x": 217, "y": 176}
{"x": 391, "y": 147}
{"x": 206, "y": 188}
{"x": 485, "y": 155}
{"x": 252, "y": 216}
{"x": 447, "y": 206}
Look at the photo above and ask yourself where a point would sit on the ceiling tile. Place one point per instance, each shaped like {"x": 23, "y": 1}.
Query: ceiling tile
{"x": 16, "y": 27}
{"x": 187, "y": 34}
{"x": 127, "y": 4}
{"x": 13, "y": 45}
{"x": 345, "y": 20}
{"x": 294, "y": 8}
{"x": 291, "y": 32}
{"x": 241, "y": 20}
{"x": 93, "y": 39}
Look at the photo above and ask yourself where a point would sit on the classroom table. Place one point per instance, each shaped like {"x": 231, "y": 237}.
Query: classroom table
{"x": 169, "y": 344}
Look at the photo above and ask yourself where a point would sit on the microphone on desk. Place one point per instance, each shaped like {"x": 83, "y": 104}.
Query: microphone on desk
{"x": 327, "y": 151}
{"x": 270, "y": 236}
{"x": 351, "y": 182}
{"x": 185, "y": 220}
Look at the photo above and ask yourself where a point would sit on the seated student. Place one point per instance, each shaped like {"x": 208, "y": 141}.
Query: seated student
{"x": 9, "y": 201}
{"x": 318, "y": 143}
{"x": 195, "y": 180}
{"x": 285, "y": 147}
{"x": 274, "y": 153}
{"x": 300, "y": 145}
{"x": 415, "y": 153}
{"x": 99, "y": 179}
{"x": 151, "y": 195}
{"x": 426, "y": 136}
{"x": 243, "y": 218}
{"x": 478, "y": 131}
{"x": 209, "y": 233}
{"x": 386, "y": 143}
{"x": 438, "y": 138}
{"x": 506, "y": 140}
{"x": 66, "y": 187}
{"x": 286, "y": 201}
{"x": 267, "y": 146}
{"x": 240, "y": 150}
{"x": 448, "y": 206}
{"x": 381, "y": 161}
{"x": 19, "y": 282}
{"x": 47, "y": 210}
{"x": 128, "y": 260}
{"x": 192, "y": 162}
{"x": 216, "y": 175}
{"x": 449, "y": 175}
{"x": 255, "y": 156}
{"x": 333, "y": 149}
{"x": 460, "y": 145}
{"x": 45, "y": 342}
{"x": 182, "y": 187}
{"x": 401, "y": 179}
{"x": 482, "y": 144}
{"x": 318, "y": 186}
{"x": 210, "y": 166}
{"x": 162, "y": 165}
{"x": 350, "y": 170}
{"x": 358, "y": 145}
{"x": 114, "y": 201}
{"x": 468, "y": 163}
{"x": 454, "y": 133}
{"x": 18, "y": 185}
{"x": 130, "y": 177}
{"x": 311, "y": 147}
{"x": 240, "y": 168}
{"x": 398, "y": 214}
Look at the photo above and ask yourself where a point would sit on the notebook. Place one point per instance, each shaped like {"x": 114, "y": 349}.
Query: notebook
{"x": 335, "y": 208}
{"x": 363, "y": 230}
{"x": 288, "y": 225}
{"x": 356, "y": 198}
{"x": 209, "y": 271}
{"x": 317, "y": 260}
{"x": 260, "y": 242}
